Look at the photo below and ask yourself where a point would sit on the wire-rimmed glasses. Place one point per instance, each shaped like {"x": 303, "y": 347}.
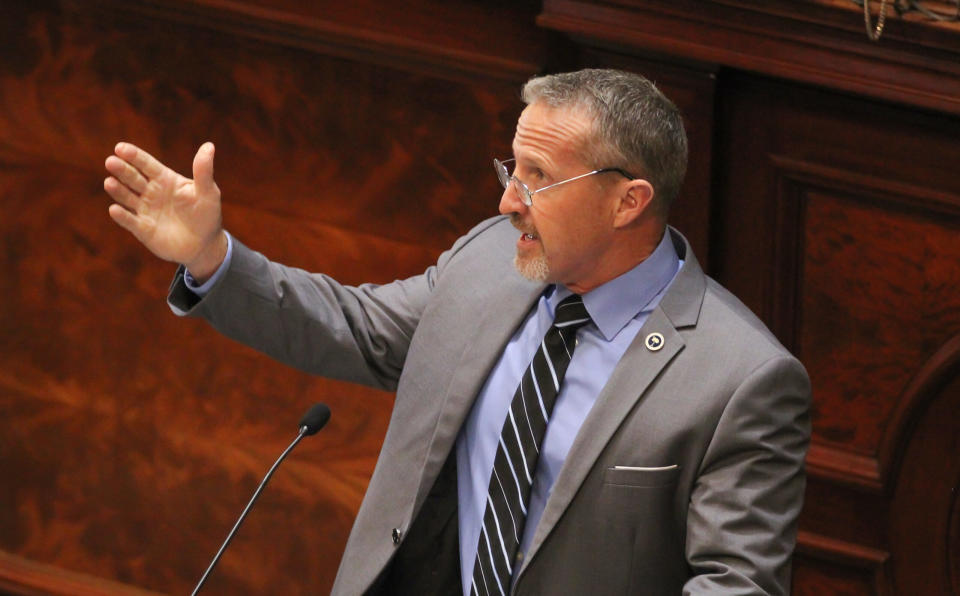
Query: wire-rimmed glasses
{"x": 524, "y": 192}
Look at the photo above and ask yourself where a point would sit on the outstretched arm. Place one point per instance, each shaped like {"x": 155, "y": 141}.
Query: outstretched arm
{"x": 176, "y": 218}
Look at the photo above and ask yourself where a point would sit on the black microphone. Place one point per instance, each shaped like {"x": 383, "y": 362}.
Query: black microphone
{"x": 316, "y": 418}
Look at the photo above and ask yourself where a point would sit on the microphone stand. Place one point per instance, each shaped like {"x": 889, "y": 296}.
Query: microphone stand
{"x": 303, "y": 432}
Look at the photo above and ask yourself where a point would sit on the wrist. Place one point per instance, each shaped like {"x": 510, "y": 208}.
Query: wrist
{"x": 208, "y": 260}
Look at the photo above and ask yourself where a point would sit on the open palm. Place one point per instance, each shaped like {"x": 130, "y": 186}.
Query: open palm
{"x": 176, "y": 218}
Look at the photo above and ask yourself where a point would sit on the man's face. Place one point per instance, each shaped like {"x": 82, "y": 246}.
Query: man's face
{"x": 568, "y": 230}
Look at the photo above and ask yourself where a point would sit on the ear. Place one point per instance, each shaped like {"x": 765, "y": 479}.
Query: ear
{"x": 635, "y": 199}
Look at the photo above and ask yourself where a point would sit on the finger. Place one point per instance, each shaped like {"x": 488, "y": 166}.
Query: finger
{"x": 125, "y": 219}
{"x": 126, "y": 174}
{"x": 121, "y": 194}
{"x": 140, "y": 159}
{"x": 203, "y": 169}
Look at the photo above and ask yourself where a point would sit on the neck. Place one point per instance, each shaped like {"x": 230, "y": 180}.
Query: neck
{"x": 632, "y": 247}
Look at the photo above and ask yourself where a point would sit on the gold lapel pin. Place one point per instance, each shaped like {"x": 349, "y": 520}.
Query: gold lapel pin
{"x": 654, "y": 342}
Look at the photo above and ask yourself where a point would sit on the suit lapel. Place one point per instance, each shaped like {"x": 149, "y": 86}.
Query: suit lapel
{"x": 497, "y": 318}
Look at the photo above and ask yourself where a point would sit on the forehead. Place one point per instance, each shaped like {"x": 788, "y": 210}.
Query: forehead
{"x": 551, "y": 134}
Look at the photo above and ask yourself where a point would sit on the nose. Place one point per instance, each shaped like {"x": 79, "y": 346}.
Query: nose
{"x": 510, "y": 201}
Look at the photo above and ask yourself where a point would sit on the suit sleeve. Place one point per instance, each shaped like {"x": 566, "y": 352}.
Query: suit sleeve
{"x": 741, "y": 524}
{"x": 310, "y": 321}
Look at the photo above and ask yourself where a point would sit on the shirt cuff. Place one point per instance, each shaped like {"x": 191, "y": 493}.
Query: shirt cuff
{"x": 204, "y": 288}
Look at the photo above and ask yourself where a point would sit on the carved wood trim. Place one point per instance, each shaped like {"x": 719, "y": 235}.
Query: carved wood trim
{"x": 407, "y": 43}
{"x": 873, "y": 472}
{"x": 842, "y": 466}
{"x": 776, "y": 38}
{"x": 22, "y": 577}
{"x": 940, "y": 369}
{"x": 849, "y": 554}
{"x": 882, "y": 190}
{"x": 782, "y": 301}
{"x": 844, "y": 15}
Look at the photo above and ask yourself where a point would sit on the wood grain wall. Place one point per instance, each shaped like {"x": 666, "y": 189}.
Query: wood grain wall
{"x": 355, "y": 139}
{"x": 130, "y": 440}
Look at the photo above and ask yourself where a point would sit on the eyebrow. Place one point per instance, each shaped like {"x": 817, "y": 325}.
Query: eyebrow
{"x": 533, "y": 162}
{"x": 530, "y": 162}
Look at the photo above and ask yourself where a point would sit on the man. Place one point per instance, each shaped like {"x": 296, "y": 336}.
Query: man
{"x": 579, "y": 410}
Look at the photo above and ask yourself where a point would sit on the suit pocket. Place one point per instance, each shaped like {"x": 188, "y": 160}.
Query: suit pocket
{"x": 637, "y": 477}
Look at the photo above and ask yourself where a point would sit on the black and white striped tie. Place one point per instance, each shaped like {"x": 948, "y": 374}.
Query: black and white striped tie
{"x": 516, "y": 461}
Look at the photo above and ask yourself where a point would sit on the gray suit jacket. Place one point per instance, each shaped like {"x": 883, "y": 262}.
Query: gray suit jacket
{"x": 687, "y": 475}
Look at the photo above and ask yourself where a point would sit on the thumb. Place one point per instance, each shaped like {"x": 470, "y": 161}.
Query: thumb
{"x": 203, "y": 169}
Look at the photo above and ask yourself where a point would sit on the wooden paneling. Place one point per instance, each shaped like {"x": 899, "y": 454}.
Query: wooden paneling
{"x": 23, "y": 576}
{"x": 820, "y": 42}
{"x": 133, "y": 439}
{"x": 896, "y": 244}
{"x": 825, "y": 565}
{"x": 873, "y": 304}
{"x": 856, "y": 269}
{"x": 450, "y": 39}
{"x": 925, "y": 502}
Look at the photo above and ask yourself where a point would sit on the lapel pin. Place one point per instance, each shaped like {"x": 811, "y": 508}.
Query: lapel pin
{"x": 654, "y": 342}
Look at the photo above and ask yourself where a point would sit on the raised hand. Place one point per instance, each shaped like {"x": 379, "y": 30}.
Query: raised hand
{"x": 176, "y": 218}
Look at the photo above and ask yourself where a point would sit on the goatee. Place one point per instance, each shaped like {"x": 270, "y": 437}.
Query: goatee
{"x": 533, "y": 268}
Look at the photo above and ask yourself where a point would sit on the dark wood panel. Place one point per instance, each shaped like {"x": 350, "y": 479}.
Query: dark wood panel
{"x": 816, "y": 577}
{"x": 838, "y": 223}
{"x": 23, "y": 577}
{"x": 925, "y": 503}
{"x": 867, "y": 227}
{"x": 446, "y": 39}
{"x": 810, "y": 41}
{"x": 836, "y": 509}
{"x": 868, "y": 328}
{"x": 135, "y": 438}
{"x": 827, "y": 565}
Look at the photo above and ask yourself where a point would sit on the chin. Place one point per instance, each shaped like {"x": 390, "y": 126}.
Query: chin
{"x": 533, "y": 268}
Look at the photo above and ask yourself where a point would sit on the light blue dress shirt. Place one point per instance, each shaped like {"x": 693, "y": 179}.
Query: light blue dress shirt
{"x": 618, "y": 309}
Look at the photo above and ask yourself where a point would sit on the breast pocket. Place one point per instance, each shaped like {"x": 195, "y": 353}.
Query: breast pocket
{"x": 640, "y": 477}
{"x": 634, "y": 497}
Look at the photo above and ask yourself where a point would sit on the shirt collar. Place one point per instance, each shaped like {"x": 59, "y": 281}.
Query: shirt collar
{"x": 613, "y": 304}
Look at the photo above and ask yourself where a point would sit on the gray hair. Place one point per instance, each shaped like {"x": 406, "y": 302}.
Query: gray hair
{"x": 635, "y": 127}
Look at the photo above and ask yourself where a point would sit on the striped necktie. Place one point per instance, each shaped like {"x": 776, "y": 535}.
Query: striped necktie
{"x": 515, "y": 464}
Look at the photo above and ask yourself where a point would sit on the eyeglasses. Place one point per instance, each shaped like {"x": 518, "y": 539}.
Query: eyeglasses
{"x": 524, "y": 192}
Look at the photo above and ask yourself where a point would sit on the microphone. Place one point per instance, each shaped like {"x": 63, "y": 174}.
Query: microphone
{"x": 316, "y": 418}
